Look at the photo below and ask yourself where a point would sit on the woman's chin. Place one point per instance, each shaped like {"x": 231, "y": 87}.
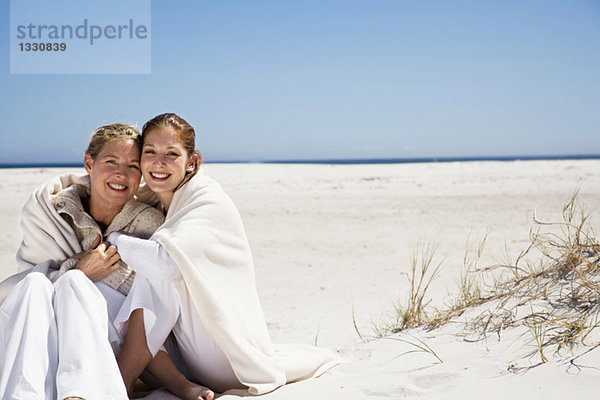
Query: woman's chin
{"x": 159, "y": 187}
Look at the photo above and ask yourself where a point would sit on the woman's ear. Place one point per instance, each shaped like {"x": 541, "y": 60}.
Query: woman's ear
{"x": 191, "y": 167}
{"x": 88, "y": 161}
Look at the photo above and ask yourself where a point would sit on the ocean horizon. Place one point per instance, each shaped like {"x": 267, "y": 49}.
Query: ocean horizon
{"x": 343, "y": 161}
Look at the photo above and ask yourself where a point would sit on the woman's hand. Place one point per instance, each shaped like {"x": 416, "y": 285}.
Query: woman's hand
{"x": 99, "y": 261}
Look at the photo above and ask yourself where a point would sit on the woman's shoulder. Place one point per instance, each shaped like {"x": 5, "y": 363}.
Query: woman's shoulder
{"x": 202, "y": 184}
{"x": 54, "y": 185}
{"x": 202, "y": 202}
{"x": 41, "y": 200}
{"x": 200, "y": 193}
{"x": 139, "y": 218}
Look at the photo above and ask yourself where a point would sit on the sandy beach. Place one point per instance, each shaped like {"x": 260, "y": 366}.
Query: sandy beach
{"x": 333, "y": 240}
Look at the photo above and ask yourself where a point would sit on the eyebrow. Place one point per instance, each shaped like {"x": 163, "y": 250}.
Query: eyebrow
{"x": 170, "y": 147}
{"x": 115, "y": 157}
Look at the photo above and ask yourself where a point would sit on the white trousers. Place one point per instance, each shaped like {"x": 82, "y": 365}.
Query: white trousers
{"x": 167, "y": 307}
{"x": 54, "y": 341}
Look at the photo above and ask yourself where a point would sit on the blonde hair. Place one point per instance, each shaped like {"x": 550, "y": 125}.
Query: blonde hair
{"x": 185, "y": 134}
{"x": 111, "y": 133}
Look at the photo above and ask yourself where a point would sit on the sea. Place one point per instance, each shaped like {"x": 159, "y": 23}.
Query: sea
{"x": 345, "y": 161}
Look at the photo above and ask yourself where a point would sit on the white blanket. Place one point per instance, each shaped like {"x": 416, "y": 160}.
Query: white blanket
{"x": 47, "y": 237}
{"x": 204, "y": 235}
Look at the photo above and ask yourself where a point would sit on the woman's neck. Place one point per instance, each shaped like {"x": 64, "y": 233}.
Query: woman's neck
{"x": 103, "y": 214}
{"x": 165, "y": 199}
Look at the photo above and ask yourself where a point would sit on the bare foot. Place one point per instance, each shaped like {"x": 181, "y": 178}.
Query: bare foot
{"x": 74, "y": 398}
{"x": 192, "y": 391}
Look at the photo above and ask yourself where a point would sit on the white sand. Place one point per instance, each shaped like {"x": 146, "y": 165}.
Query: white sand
{"x": 326, "y": 237}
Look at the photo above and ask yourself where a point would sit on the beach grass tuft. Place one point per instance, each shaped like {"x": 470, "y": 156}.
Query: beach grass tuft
{"x": 552, "y": 289}
{"x": 423, "y": 270}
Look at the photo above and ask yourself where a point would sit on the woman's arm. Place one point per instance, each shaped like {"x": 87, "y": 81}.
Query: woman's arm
{"x": 145, "y": 257}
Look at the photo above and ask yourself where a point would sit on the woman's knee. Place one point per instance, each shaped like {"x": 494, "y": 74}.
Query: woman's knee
{"x": 36, "y": 282}
{"x": 34, "y": 292}
{"x": 74, "y": 279}
{"x": 75, "y": 284}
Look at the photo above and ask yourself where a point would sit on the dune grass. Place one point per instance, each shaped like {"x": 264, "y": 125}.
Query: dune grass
{"x": 552, "y": 288}
{"x": 423, "y": 270}
{"x": 418, "y": 346}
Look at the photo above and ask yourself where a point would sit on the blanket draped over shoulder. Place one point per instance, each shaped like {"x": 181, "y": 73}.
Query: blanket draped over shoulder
{"x": 204, "y": 235}
{"x": 47, "y": 237}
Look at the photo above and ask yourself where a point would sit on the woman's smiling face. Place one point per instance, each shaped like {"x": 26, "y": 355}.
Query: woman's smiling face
{"x": 114, "y": 173}
{"x": 164, "y": 161}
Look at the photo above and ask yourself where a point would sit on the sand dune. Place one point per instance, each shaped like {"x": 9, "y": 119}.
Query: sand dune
{"x": 328, "y": 239}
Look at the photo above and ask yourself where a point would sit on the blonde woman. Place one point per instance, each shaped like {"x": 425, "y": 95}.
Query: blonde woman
{"x": 56, "y": 323}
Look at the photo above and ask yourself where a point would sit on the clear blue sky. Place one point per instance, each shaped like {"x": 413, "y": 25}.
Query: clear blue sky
{"x": 284, "y": 79}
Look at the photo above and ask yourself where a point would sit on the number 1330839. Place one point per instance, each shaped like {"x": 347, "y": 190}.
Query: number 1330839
{"x": 26, "y": 46}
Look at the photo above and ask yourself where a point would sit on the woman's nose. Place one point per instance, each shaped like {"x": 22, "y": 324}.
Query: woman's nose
{"x": 122, "y": 170}
{"x": 160, "y": 159}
